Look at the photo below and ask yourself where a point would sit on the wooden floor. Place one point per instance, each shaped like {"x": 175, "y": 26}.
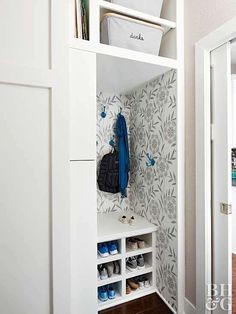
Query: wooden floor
{"x": 150, "y": 304}
{"x": 234, "y": 284}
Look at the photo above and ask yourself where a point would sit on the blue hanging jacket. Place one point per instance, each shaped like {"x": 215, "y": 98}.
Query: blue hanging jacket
{"x": 124, "y": 162}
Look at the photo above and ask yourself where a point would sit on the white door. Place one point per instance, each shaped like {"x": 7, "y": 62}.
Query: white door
{"x": 34, "y": 158}
{"x": 221, "y": 176}
{"x": 83, "y": 237}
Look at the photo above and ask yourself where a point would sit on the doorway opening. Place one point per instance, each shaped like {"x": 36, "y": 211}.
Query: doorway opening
{"x": 214, "y": 154}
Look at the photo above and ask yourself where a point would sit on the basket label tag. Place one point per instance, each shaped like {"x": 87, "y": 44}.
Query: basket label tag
{"x": 138, "y": 37}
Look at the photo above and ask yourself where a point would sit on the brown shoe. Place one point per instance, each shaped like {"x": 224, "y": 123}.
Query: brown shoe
{"x": 141, "y": 243}
{"x": 128, "y": 289}
{"x": 132, "y": 284}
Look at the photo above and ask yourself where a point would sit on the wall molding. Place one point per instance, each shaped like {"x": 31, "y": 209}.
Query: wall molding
{"x": 188, "y": 307}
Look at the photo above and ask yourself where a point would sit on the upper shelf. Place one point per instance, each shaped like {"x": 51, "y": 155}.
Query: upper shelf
{"x": 111, "y": 7}
{"x": 110, "y": 228}
{"x": 122, "y": 53}
{"x": 167, "y": 58}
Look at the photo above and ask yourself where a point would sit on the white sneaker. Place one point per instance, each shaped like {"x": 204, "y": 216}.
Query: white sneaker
{"x": 132, "y": 221}
{"x": 103, "y": 274}
{"x": 124, "y": 219}
{"x": 147, "y": 283}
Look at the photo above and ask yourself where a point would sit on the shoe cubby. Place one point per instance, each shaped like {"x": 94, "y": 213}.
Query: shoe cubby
{"x": 147, "y": 267}
{"x": 109, "y": 273}
{"x": 111, "y": 229}
{"x": 133, "y": 247}
{"x": 107, "y": 302}
{"x": 139, "y": 284}
{"x": 111, "y": 257}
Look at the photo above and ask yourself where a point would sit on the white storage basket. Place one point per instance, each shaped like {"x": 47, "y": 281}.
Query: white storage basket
{"x": 121, "y": 31}
{"x": 152, "y": 7}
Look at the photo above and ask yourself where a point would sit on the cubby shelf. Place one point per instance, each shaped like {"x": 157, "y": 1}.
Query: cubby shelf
{"x": 138, "y": 272}
{"x": 113, "y": 279}
{"x": 111, "y": 229}
{"x": 122, "y": 53}
{"x": 140, "y": 292}
{"x": 111, "y": 7}
{"x": 110, "y": 258}
{"x": 130, "y": 252}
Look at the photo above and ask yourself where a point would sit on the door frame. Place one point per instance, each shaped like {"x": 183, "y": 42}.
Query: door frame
{"x": 203, "y": 48}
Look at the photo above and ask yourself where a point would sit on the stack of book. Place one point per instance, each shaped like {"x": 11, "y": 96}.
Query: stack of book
{"x": 81, "y": 20}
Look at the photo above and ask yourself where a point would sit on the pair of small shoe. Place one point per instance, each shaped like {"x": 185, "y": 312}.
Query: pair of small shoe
{"x": 105, "y": 293}
{"x": 137, "y": 283}
{"x": 125, "y": 220}
{"x": 106, "y": 249}
{"x": 135, "y": 243}
{"x": 106, "y": 271}
{"x": 135, "y": 262}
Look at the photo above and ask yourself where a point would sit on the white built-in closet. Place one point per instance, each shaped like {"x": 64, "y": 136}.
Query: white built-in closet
{"x": 52, "y": 88}
{"x": 149, "y": 91}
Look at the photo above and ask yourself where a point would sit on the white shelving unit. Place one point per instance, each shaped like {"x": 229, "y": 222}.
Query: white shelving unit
{"x": 111, "y": 229}
{"x": 99, "y": 8}
{"x": 96, "y": 67}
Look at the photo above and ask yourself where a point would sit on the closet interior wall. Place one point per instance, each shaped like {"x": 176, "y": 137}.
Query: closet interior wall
{"x": 150, "y": 112}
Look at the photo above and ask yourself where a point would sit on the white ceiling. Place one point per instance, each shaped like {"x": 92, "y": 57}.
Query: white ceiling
{"x": 118, "y": 75}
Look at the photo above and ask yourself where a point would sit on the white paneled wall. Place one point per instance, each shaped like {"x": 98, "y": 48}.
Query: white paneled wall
{"x": 25, "y": 29}
{"x": 25, "y": 202}
{"x": 34, "y": 158}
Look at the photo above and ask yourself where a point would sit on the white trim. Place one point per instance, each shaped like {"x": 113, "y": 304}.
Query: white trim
{"x": 180, "y": 159}
{"x": 189, "y": 308}
{"x": 166, "y": 303}
{"x": 118, "y": 52}
{"x": 220, "y": 36}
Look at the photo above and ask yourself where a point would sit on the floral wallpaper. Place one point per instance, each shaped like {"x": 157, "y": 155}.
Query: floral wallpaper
{"x": 153, "y": 171}
{"x": 150, "y": 113}
{"x": 108, "y": 106}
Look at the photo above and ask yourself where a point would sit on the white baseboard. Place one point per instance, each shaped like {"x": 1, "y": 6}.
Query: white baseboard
{"x": 164, "y": 300}
{"x": 188, "y": 307}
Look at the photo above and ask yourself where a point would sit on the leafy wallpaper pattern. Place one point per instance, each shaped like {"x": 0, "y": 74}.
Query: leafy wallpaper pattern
{"x": 150, "y": 113}
{"x": 107, "y": 109}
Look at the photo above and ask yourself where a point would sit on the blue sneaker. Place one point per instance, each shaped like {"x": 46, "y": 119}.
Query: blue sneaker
{"x": 111, "y": 292}
{"x": 102, "y": 294}
{"x": 112, "y": 247}
{"x": 103, "y": 249}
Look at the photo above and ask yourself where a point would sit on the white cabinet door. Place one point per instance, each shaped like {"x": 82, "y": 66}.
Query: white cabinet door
{"x": 34, "y": 158}
{"x": 82, "y": 105}
{"x": 25, "y": 208}
{"x": 83, "y": 237}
